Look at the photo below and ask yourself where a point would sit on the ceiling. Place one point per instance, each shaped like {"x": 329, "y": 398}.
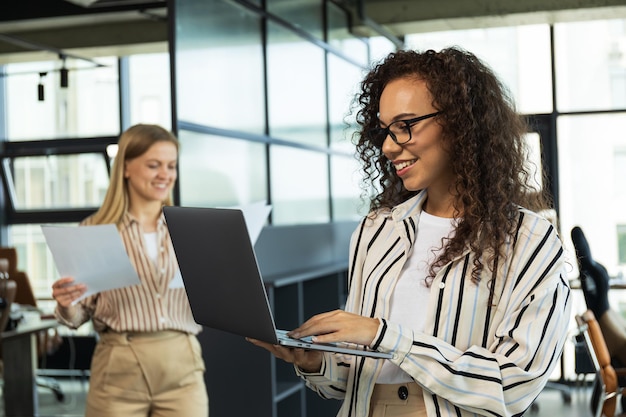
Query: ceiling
{"x": 44, "y": 29}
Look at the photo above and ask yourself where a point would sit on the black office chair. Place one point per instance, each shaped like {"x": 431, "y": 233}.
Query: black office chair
{"x": 594, "y": 278}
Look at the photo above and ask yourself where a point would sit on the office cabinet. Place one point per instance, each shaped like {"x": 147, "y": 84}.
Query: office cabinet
{"x": 243, "y": 379}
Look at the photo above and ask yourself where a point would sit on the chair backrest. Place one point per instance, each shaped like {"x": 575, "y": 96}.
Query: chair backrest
{"x": 599, "y": 353}
{"x": 594, "y": 278}
{"x": 25, "y": 294}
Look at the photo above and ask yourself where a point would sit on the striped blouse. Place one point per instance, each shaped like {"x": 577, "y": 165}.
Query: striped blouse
{"x": 472, "y": 359}
{"x": 154, "y": 305}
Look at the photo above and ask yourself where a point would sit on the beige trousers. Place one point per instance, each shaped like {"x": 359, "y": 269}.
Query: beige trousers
{"x": 397, "y": 400}
{"x": 158, "y": 374}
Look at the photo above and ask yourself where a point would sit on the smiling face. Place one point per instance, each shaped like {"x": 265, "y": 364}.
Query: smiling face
{"x": 151, "y": 175}
{"x": 421, "y": 163}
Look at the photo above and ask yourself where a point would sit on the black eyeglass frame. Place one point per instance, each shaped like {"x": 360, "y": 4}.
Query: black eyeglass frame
{"x": 378, "y": 135}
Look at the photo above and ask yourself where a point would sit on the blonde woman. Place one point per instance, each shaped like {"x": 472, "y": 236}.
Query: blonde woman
{"x": 148, "y": 361}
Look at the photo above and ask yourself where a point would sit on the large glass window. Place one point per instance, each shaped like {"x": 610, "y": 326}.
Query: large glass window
{"x": 62, "y": 180}
{"x": 150, "y": 102}
{"x": 520, "y": 56}
{"x": 57, "y": 181}
{"x": 592, "y": 194}
{"x": 88, "y": 106}
{"x": 590, "y": 65}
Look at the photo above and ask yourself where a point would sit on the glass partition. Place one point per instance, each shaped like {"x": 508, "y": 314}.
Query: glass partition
{"x": 343, "y": 85}
{"x": 299, "y": 184}
{"x": 296, "y": 90}
{"x": 220, "y": 76}
{"x": 221, "y": 172}
{"x": 338, "y": 35}
{"x": 345, "y": 180}
{"x": 303, "y": 14}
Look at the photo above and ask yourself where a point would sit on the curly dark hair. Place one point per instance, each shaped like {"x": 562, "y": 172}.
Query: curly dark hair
{"x": 484, "y": 135}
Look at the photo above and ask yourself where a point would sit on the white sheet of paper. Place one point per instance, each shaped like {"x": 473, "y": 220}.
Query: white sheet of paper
{"x": 93, "y": 255}
{"x": 255, "y": 215}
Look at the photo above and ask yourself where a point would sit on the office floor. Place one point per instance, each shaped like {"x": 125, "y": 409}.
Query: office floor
{"x": 549, "y": 404}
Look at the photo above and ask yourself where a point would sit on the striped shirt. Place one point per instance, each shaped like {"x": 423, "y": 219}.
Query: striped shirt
{"x": 471, "y": 359}
{"x": 152, "y": 306}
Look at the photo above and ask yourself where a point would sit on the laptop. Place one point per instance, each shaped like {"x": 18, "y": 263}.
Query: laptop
{"x": 223, "y": 281}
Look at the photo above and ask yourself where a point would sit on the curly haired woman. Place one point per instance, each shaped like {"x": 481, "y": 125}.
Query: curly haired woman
{"x": 453, "y": 271}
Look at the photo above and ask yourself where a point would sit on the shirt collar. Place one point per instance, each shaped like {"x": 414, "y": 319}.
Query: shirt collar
{"x": 128, "y": 220}
{"x": 409, "y": 208}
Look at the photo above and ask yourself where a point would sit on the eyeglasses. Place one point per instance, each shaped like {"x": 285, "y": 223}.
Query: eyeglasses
{"x": 400, "y": 130}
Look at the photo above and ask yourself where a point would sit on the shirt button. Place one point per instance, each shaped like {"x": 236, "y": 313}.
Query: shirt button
{"x": 162, "y": 249}
{"x": 162, "y": 270}
{"x": 162, "y": 319}
{"x": 158, "y": 295}
{"x": 403, "y": 393}
{"x": 442, "y": 285}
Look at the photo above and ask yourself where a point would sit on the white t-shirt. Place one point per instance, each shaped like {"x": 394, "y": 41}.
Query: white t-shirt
{"x": 150, "y": 240}
{"x": 410, "y": 296}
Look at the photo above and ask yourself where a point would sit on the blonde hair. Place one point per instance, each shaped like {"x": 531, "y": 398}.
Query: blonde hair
{"x": 133, "y": 142}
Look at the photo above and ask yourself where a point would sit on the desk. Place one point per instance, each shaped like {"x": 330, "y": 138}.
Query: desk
{"x": 19, "y": 353}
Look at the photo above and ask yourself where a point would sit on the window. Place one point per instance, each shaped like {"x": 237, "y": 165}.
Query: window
{"x": 220, "y": 171}
{"x": 588, "y": 181}
{"x": 590, "y": 65}
{"x": 296, "y": 88}
{"x": 57, "y": 181}
{"x": 87, "y": 107}
{"x": 519, "y": 55}
{"x": 57, "y": 170}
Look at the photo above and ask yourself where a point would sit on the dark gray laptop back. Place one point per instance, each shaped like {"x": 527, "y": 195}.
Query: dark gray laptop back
{"x": 214, "y": 250}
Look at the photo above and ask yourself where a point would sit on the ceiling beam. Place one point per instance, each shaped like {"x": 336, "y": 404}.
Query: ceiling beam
{"x": 413, "y": 16}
